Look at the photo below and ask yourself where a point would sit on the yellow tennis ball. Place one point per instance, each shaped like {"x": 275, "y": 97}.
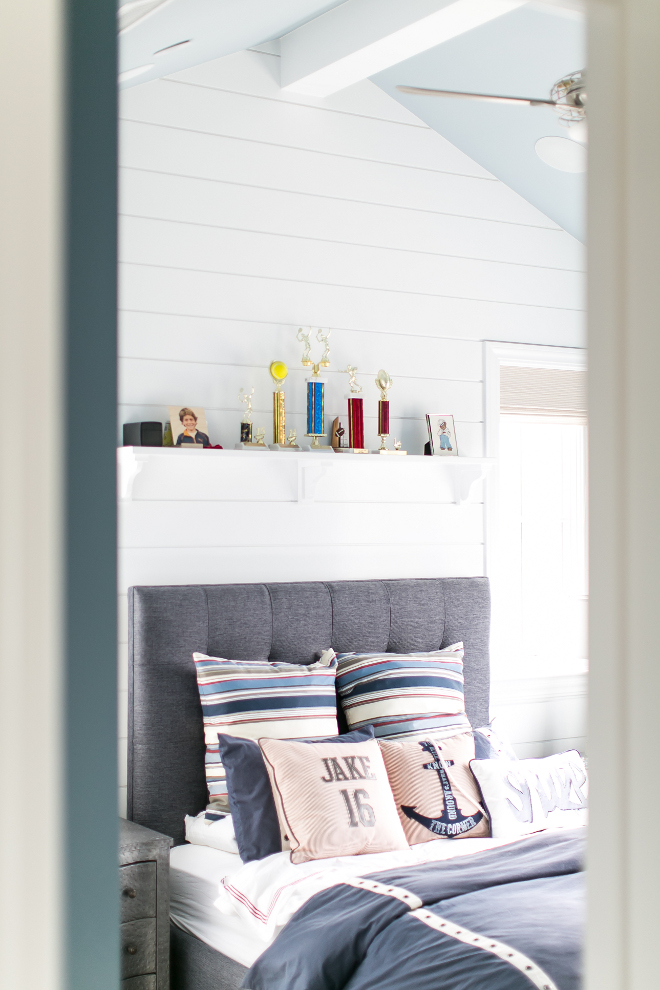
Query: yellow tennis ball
{"x": 279, "y": 370}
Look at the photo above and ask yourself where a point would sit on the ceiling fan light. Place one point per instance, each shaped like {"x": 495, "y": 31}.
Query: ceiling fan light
{"x": 562, "y": 153}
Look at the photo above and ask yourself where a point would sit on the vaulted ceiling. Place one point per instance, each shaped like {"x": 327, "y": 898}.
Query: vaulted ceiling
{"x": 521, "y": 53}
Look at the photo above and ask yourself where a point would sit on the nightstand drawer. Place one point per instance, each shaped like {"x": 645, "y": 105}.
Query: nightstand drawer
{"x": 140, "y": 983}
{"x": 138, "y": 891}
{"x": 138, "y": 947}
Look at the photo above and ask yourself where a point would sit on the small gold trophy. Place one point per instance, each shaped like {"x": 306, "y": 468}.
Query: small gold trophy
{"x": 278, "y": 372}
{"x": 247, "y": 441}
{"x": 246, "y": 418}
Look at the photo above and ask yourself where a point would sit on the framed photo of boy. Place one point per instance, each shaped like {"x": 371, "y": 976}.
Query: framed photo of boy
{"x": 442, "y": 435}
{"x": 189, "y": 426}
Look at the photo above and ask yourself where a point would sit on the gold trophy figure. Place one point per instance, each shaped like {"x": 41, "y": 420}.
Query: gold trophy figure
{"x": 278, "y": 372}
{"x": 246, "y": 418}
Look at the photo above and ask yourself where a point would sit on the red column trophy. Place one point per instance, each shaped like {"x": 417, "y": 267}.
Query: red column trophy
{"x": 384, "y": 383}
{"x": 355, "y": 416}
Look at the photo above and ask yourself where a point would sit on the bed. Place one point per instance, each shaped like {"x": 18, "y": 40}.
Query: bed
{"x": 293, "y": 622}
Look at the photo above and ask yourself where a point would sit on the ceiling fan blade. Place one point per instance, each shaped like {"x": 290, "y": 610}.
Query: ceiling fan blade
{"x": 484, "y": 97}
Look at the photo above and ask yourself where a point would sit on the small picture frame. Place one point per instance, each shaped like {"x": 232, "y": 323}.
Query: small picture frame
{"x": 442, "y": 434}
{"x": 189, "y": 426}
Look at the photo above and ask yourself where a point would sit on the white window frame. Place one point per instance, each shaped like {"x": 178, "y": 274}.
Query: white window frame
{"x": 495, "y": 355}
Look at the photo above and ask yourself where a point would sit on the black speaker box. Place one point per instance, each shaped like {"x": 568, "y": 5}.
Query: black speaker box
{"x": 143, "y": 434}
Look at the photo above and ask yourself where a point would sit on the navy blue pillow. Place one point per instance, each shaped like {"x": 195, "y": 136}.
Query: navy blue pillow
{"x": 251, "y": 801}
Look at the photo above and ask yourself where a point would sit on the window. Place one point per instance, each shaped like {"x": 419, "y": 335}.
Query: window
{"x": 540, "y": 577}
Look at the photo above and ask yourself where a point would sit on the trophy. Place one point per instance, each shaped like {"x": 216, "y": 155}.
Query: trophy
{"x": 246, "y": 426}
{"x": 384, "y": 382}
{"x": 315, "y": 387}
{"x": 355, "y": 416}
{"x": 337, "y": 434}
{"x": 246, "y": 418}
{"x": 278, "y": 372}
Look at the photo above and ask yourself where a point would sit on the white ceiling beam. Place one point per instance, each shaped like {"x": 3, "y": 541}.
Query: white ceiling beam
{"x": 361, "y": 37}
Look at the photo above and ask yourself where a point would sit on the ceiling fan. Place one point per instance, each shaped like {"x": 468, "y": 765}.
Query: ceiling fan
{"x": 568, "y": 97}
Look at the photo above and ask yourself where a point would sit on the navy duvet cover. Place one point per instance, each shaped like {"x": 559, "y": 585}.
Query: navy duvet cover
{"x": 508, "y": 918}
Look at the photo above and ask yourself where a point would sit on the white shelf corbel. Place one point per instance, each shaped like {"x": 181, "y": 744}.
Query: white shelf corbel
{"x": 300, "y": 477}
{"x": 310, "y": 476}
{"x": 129, "y": 465}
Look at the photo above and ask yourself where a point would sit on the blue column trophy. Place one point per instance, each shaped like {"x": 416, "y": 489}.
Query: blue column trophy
{"x": 315, "y": 388}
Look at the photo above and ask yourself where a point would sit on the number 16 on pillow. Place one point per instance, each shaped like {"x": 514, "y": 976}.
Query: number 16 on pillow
{"x": 332, "y": 800}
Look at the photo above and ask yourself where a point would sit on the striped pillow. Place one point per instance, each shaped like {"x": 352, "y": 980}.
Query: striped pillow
{"x": 261, "y": 699}
{"x": 404, "y": 694}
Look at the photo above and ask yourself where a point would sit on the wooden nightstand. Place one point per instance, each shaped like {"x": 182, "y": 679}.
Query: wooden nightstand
{"x": 144, "y": 858}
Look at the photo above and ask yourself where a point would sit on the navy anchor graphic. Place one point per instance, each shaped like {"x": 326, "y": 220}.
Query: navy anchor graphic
{"x": 451, "y": 822}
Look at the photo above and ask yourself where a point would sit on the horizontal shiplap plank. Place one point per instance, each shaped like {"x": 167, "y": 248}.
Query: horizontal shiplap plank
{"x": 230, "y": 205}
{"x": 164, "y": 337}
{"x": 244, "y": 297}
{"x": 217, "y": 387}
{"x": 257, "y": 74}
{"x": 220, "y": 524}
{"x": 330, "y": 562}
{"x": 538, "y": 749}
{"x": 300, "y": 259}
{"x": 211, "y": 111}
{"x": 162, "y": 148}
{"x": 543, "y": 720}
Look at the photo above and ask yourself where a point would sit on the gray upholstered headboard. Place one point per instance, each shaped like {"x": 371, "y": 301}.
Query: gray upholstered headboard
{"x": 290, "y": 622}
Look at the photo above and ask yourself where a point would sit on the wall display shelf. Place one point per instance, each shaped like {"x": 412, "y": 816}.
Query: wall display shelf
{"x": 167, "y": 473}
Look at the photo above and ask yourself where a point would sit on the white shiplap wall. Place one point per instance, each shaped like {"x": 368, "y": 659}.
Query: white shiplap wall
{"x": 246, "y": 213}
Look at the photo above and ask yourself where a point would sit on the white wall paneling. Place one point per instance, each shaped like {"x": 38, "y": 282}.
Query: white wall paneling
{"x": 542, "y": 715}
{"x": 248, "y": 212}
{"x": 174, "y": 150}
{"x": 235, "y": 206}
{"x": 212, "y": 111}
{"x": 205, "y": 248}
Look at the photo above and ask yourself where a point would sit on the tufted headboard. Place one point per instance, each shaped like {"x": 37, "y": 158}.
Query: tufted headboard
{"x": 288, "y": 622}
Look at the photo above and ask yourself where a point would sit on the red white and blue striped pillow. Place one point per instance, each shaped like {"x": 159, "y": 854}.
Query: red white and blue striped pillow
{"x": 261, "y": 699}
{"x": 404, "y": 694}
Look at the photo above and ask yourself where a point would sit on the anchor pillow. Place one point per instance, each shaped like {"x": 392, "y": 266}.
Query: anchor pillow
{"x": 332, "y": 799}
{"x": 525, "y": 796}
{"x": 403, "y": 694}
{"x": 434, "y": 791}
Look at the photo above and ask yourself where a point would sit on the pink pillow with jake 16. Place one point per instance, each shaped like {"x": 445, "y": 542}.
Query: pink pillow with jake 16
{"x": 332, "y": 800}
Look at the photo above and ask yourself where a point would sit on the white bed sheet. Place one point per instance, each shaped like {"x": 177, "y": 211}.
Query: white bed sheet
{"x": 196, "y": 875}
{"x": 199, "y": 901}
